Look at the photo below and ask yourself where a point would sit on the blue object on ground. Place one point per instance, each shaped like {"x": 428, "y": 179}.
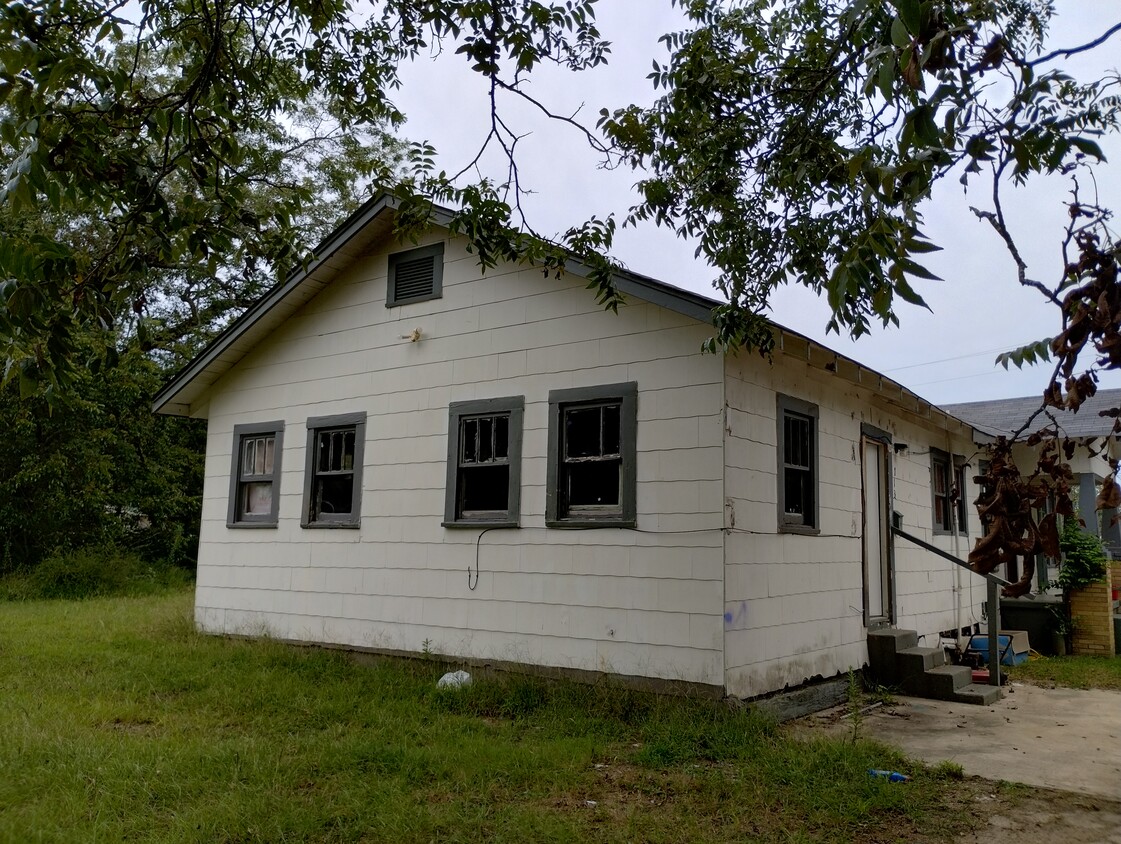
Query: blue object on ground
{"x": 890, "y": 776}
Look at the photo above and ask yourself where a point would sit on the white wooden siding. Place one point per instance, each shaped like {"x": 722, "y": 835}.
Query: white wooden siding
{"x": 644, "y": 602}
{"x": 793, "y": 603}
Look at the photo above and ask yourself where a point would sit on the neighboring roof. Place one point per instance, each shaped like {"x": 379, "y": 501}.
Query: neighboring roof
{"x": 1004, "y": 416}
{"x": 373, "y": 221}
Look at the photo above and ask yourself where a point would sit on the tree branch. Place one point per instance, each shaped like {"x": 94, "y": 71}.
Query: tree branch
{"x": 1066, "y": 54}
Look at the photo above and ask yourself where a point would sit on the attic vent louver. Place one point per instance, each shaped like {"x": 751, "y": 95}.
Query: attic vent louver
{"x": 415, "y": 275}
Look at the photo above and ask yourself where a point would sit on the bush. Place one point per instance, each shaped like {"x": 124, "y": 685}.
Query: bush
{"x": 90, "y": 572}
{"x": 1084, "y": 560}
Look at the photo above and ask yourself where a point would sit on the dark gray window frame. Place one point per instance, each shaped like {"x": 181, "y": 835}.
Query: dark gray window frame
{"x": 437, "y": 251}
{"x": 789, "y": 405}
{"x": 955, "y": 474}
{"x": 627, "y": 395}
{"x": 233, "y": 518}
{"x": 515, "y": 407}
{"x": 315, "y": 424}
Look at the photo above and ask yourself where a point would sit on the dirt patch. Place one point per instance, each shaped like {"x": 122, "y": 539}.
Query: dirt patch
{"x": 1038, "y": 816}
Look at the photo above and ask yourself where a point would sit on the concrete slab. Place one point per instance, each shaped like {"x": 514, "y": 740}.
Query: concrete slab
{"x": 1058, "y": 738}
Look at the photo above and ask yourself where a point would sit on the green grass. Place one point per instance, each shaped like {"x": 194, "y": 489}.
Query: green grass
{"x": 119, "y": 722}
{"x": 1076, "y": 672}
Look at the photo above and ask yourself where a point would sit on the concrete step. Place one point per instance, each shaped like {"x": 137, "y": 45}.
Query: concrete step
{"x": 943, "y": 682}
{"x": 883, "y": 645}
{"x": 910, "y": 661}
{"x": 977, "y": 694}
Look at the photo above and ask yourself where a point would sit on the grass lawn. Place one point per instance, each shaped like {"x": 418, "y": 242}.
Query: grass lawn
{"x": 119, "y": 722}
{"x": 1077, "y": 672}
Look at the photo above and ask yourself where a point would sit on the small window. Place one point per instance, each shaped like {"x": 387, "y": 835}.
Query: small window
{"x": 797, "y": 465}
{"x": 255, "y": 475}
{"x": 948, "y": 489}
{"x": 415, "y": 276}
{"x": 592, "y": 456}
{"x": 484, "y": 462}
{"x": 333, "y": 471}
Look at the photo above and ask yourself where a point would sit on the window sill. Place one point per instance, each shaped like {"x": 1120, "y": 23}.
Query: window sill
{"x": 331, "y": 525}
{"x": 945, "y": 532}
{"x": 480, "y": 524}
{"x": 253, "y": 525}
{"x": 584, "y": 524}
{"x": 801, "y": 530}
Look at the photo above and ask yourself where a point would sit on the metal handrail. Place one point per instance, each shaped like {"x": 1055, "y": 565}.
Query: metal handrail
{"x": 993, "y": 599}
{"x": 1000, "y": 581}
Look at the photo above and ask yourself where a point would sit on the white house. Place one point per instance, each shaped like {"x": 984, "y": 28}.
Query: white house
{"x": 406, "y": 453}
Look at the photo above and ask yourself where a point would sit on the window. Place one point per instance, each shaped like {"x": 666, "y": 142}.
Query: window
{"x": 591, "y": 474}
{"x": 948, "y": 488}
{"x": 255, "y": 475}
{"x": 797, "y": 465}
{"x": 415, "y": 276}
{"x": 484, "y": 462}
{"x": 333, "y": 472}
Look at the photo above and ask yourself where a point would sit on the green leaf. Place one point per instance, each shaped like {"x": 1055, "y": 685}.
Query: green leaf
{"x": 900, "y": 37}
{"x": 908, "y": 294}
{"x": 911, "y": 13}
{"x": 1085, "y": 145}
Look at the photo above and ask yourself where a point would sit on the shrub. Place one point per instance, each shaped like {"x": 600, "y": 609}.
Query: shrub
{"x": 89, "y": 572}
{"x": 1084, "y": 560}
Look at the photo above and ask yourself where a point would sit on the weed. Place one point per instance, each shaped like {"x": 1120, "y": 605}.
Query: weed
{"x": 856, "y": 704}
{"x": 947, "y": 770}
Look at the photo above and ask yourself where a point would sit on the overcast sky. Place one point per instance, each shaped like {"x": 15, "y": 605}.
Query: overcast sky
{"x": 945, "y": 356}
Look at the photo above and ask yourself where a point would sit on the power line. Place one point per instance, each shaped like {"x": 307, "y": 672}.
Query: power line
{"x": 948, "y": 360}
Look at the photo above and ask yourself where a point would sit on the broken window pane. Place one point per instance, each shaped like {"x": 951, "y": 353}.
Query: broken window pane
{"x": 335, "y": 494}
{"x": 486, "y": 439}
{"x": 611, "y": 429}
{"x": 470, "y": 440}
{"x": 485, "y": 489}
{"x": 594, "y": 483}
{"x": 582, "y": 432}
{"x": 501, "y": 437}
{"x": 346, "y": 459}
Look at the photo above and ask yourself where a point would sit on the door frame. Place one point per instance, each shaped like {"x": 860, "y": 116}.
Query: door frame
{"x": 878, "y": 435}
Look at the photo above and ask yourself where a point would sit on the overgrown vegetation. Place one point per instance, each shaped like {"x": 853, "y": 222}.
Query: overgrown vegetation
{"x": 89, "y": 573}
{"x": 98, "y": 470}
{"x": 121, "y": 723}
{"x": 1084, "y": 559}
{"x": 1075, "y": 672}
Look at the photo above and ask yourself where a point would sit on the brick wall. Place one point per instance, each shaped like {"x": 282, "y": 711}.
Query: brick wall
{"x": 1092, "y": 611}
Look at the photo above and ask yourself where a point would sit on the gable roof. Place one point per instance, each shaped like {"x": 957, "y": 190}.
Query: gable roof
{"x": 374, "y": 220}
{"x": 1003, "y": 416}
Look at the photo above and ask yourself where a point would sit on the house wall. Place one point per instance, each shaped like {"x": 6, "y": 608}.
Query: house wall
{"x": 645, "y": 602}
{"x": 794, "y": 603}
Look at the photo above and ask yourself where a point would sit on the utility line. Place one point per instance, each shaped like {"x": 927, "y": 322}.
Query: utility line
{"x": 947, "y": 360}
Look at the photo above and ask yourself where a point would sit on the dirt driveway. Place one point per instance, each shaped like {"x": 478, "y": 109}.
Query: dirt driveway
{"x": 1052, "y": 738}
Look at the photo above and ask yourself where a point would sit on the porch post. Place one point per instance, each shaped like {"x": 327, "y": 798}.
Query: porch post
{"x": 994, "y": 632}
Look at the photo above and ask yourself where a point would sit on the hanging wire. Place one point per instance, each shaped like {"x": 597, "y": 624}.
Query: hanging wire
{"x": 478, "y": 540}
